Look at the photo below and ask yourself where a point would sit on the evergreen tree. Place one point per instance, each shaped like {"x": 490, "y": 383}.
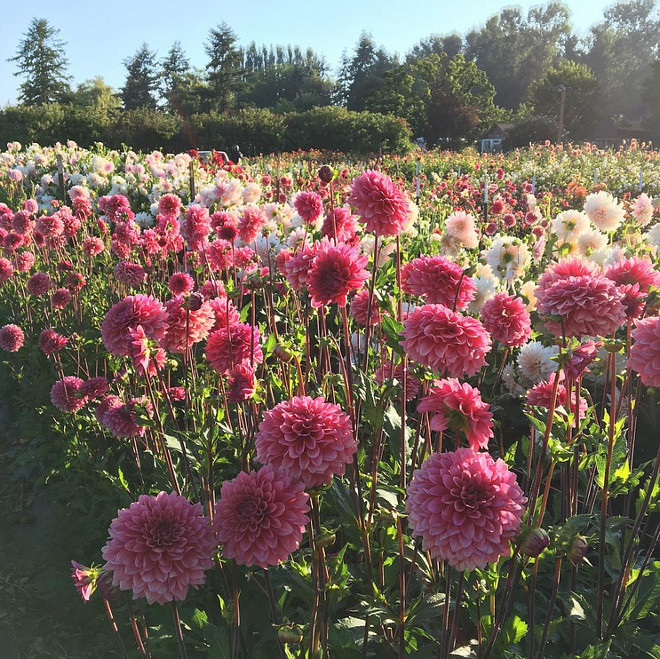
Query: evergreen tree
{"x": 141, "y": 80}
{"x": 175, "y": 68}
{"x": 41, "y": 61}
{"x": 224, "y": 67}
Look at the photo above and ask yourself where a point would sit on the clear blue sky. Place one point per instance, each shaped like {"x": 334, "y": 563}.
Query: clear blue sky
{"x": 100, "y": 35}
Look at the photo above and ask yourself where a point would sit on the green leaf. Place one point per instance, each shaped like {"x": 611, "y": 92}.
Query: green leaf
{"x": 392, "y": 330}
{"x": 598, "y": 651}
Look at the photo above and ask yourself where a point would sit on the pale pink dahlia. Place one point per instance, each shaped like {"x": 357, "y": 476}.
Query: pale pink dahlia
{"x": 308, "y": 438}
{"x": 186, "y": 325}
{"x": 67, "y": 394}
{"x": 335, "y": 272}
{"x": 645, "y": 352}
{"x": 379, "y": 203}
{"x": 458, "y": 407}
{"x": 126, "y": 315}
{"x": 159, "y": 547}
{"x": 309, "y": 206}
{"x": 229, "y": 346}
{"x": 506, "y": 319}
{"x": 445, "y": 340}
{"x": 466, "y": 507}
{"x": 261, "y": 516}
{"x": 11, "y": 338}
{"x": 438, "y": 281}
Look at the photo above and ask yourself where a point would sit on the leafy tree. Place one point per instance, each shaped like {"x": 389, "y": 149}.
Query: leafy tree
{"x": 41, "y": 61}
{"x": 97, "y": 94}
{"x": 581, "y": 89}
{"x": 451, "y": 44}
{"x": 223, "y": 71}
{"x": 141, "y": 80}
{"x": 514, "y": 50}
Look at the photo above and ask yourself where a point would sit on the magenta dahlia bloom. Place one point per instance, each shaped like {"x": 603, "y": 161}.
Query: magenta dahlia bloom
{"x": 185, "y": 325}
{"x": 308, "y": 438}
{"x": 11, "y": 338}
{"x": 126, "y": 315}
{"x": 242, "y": 383}
{"x": 39, "y": 284}
{"x": 298, "y": 264}
{"x": 458, "y": 406}
{"x": 251, "y": 222}
{"x": 169, "y": 205}
{"x": 569, "y": 267}
{"x": 129, "y": 273}
{"x": 225, "y": 312}
{"x": 445, "y": 340}
{"x": 309, "y": 206}
{"x": 580, "y": 358}
{"x": 93, "y": 246}
{"x": 60, "y": 298}
{"x": 6, "y": 270}
{"x": 159, "y": 547}
{"x": 360, "y": 309}
{"x": 51, "y": 342}
{"x": 589, "y": 305}
{"x": 229, "y": 346}
{"x": 261, "y": 516}
{"x": 335, "y": 272}
{"x": 339, "y": 224}
{"x": 379, "y": 203}
{"x": 506, "y": 319}
{"x": 181, "y": 283}
{"x": 196, "y": 226}
{"x": 645, "y": 352}
{"x": 437, "y": 280}
{"x": 466, "y": 507}
{"x": 67, "y": 394}
{"x": 540, "y": 395}
{"x": 23, "y": 262}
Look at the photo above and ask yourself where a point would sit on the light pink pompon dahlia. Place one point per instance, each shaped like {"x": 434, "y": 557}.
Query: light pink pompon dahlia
{"x": 309, "y": 206}
{"x": 437, "y": 280}
{"x": 379, "y": 203}
{"x": 11, "y": 338}
{"x": 445, "y": 341}
{"x": 458, "y": 406}
{"x": 466, "y": 507}
{"x": 159, "y": 547}
{"x": 228, "y": 347}
{"x": 645, "y": 352}
{"x": 506, "y": 319}
{"x": 126, "y": 315}
{"x": 261, "y": 516}
{"x": 308, "y": 438}
{"x": 334, "y": 273}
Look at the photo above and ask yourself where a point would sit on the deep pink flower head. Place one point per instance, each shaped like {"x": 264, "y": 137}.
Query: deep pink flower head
{"x": 212, "y": 288}
{"x": 540, "y": 395}
{"x": 84, "y": 579}
{"x": 60, "y": 298}
{"x": 633, "y": 277}
{"x": 196, "y": 226}
{"x": 181, "y": 283}
{"x": 121, "y": 422}
{"x": 242, "y": 383}
{"x": 132, "y": 311}
{"x": 107, "y": 403}
{"x": 224, "y": 311}
{"x": 250, "y": 223}
{"x": 308, "y": 438}
{"x": 39, "y": 284}
{"x": 67, "y": 395}
{"x": 219, "y": 254}
{"x": 146, "y": 356}
{"x": 506, "y": 319}
{"x": 261, "y": 516}
{"x": 580, "y": 359}
{"x": 445, "y": 340}
{"x": 309, "y": 206}
{"x": 50, "y": 226}
{"x": 335, "y": 272}
{"x": 6, "y": 270}
{"x": 360, "y": 309}
{"x": 379, "y": 203}
{"x": 159, "y": 547}
{"x": 129, "y": 273}
{"x": 298, "y": 264}
{"x": 186, "y": 325}
{"x": 23, "y": 262}
{"x": 466, "y": 507}
{"x": 21, "y": 223}
{"x": 169, "y": 205}
{"x": 339, "y": 223}
{"x": 93, "y": 246}
{"x": 437, "y": 280}
{"x": 94, "y": 387}
{"x": 11, "y": 338}
{"x": 51, "y": 342}
{"x": 458, "y": 407}
{"x": 645, "y": 352}
{"x": 569, "y": 267}
{"x": 229, "y": 346}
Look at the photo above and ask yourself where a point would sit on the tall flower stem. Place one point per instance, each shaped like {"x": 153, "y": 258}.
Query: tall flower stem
{"x": 179, "y": 633}
{"x": 115, "y": 629}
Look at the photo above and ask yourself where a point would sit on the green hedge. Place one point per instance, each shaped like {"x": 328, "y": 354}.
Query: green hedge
{"x": 256, "y": 130}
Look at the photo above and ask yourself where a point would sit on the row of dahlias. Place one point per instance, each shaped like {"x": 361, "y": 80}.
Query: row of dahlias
{"x": 352, "y": 356}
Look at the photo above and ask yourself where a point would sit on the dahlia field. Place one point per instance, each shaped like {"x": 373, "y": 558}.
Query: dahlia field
{"x": 313, "y": 407}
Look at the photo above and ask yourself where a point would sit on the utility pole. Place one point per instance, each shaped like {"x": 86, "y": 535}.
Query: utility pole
{"x": 562, "y": 102}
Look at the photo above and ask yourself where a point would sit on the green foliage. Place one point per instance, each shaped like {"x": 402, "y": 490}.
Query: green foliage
{"x": 141, "y": 80}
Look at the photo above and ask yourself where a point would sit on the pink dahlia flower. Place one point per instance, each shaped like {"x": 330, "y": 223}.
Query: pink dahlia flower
{"x": 645, "y": 352}
{"x": 66, "y": 394}
{"x": 458, "y": 406}
{"x": 438, "y": 281}
{"x": 107, "y": 403}
{"x": 11, "y": 338}
{"x": 540, "y": 395}
{"x": 339, "y": 224}
{"x": 335, "y": 272}
{"x": 580, "y": 359}
{"x": 129, "y": 273}
{"x": 260, "y": 517}
{"x": 569, "y": 267}
{"x": 186, "y": 325}
{"x": 251, "y": 222}
{"x": 225, "y": 313}
{"x": 298, "y": 264}
{"x": 466, "y": 507}
{"x": 506, "y": 319}
{"x": 309, "y": 206}
{"x": 181, "y": 283}
{"x": 445, "y": 340}
{"x": 94, "y": 387}
{"x": 24, "y": 261}
{"x": 308, "y": 438}
{"x": 6, "y": 270}
{"x": 93, "y": 246}
{"x": 169, "y": 205}
{"x": 126, "y": 315}
{"x": 229, "y": 346}
{"x": 242, "y": 383}
{"x": 60, "y": 298}
{"x": 39, "y": 284}
{"x": 634, "y": 270}
{"x": 379, "y": 203}
{"x": 159, "y": 547}
{"x": 51, "y": 342}
{"x": 196, "y": 226}
{"x": 360, "y": 309}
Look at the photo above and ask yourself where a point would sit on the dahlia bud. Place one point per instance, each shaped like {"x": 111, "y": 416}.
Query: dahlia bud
{"x": 104, "y": 584}
{"x": 281, "y": 353}
{"x": 577, "y": 549}
{"x": 325, "y": 539}
{"x": 290, "y": 634}
{"x": 194, "y": 302}
{"x": 326, "y": 174}
{"x": 534, "y": 543}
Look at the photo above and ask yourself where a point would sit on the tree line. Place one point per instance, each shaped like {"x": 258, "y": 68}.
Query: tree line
{"x": 448, "y": 88}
